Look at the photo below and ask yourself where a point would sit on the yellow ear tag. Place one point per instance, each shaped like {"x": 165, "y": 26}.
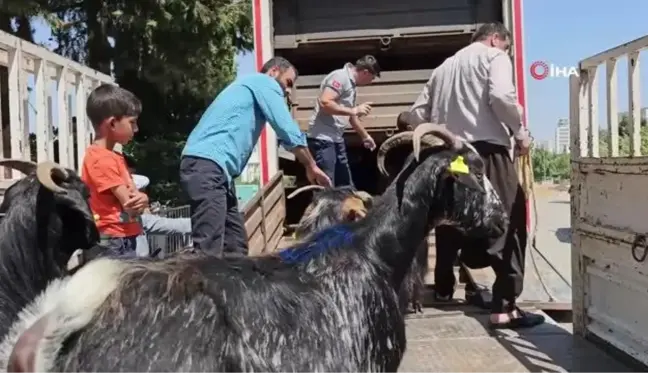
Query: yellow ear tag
{"x": 459, "y": 166}
{"x": 96, "y": 217}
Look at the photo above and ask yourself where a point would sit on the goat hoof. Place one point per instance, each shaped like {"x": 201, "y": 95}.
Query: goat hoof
{"x": 418, "y": 307}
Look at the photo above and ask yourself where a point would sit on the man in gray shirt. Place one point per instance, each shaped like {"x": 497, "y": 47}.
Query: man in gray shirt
{"x": 472, "y": 93}
{"x": 335, "y": 110}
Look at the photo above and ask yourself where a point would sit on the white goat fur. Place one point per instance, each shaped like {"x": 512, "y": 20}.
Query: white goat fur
{"x": 71, "y": 304}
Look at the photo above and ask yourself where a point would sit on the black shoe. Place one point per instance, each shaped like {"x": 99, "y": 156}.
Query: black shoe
{"x": 443, "y": 298}
{"x": 526, "y": 320}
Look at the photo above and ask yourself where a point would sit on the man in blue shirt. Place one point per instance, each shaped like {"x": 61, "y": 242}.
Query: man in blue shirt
{"x": 220, "y": 145}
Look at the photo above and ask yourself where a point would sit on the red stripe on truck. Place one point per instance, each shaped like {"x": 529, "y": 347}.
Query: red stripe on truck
{"x": 518, "y": 44}
{"x": 258, "y": 54}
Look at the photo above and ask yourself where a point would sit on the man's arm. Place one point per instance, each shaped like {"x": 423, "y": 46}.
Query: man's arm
{"x": 328, "y": 103}
{"x": 332, "y": 88}
{"x": 421, "y": 109}
{"x": 503, "y": 98}
{"x": 304, "y": 157}
{"x": 358, "y": 127}
{"x": 154, "y": 224}
{"x": 271, "y": 101}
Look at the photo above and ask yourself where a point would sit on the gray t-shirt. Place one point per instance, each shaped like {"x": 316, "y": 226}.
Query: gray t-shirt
{"x": 328, "y": 127}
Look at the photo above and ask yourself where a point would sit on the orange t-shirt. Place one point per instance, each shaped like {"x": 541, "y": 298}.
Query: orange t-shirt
{"x": 103, "y": 170}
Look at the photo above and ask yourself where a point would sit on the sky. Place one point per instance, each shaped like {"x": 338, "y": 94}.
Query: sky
{"x": 557, "y": 32}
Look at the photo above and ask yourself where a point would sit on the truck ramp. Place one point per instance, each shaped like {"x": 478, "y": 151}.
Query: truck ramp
{"x": 457, "y": 339}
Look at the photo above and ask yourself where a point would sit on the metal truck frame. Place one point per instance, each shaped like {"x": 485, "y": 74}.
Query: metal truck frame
{"x": 608, "y": 204}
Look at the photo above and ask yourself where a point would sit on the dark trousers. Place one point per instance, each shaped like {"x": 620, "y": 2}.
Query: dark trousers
{"x": 332, "y": 158}
{"x": 507, "y": 254}
{"x": 119, "y": 246}
{"x": 216, "y": 223}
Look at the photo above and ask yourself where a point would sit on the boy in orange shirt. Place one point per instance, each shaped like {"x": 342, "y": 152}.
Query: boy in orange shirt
{"x": 114, "y": 199}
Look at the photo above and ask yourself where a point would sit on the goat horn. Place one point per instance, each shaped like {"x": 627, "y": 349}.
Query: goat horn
{"x": 438, "y": 131}
{"x": 44, "y": 172}
{"x": 26, "y": 167}
{"x": 392, "y": 142}
{"x": 303, "y": 189}
{"x": 364, "y": 196}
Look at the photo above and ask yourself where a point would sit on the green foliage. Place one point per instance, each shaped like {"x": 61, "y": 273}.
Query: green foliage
{"x": 175, "y": 55}
{"x": 624, "y": 138}
{"x": 548, "y": 165}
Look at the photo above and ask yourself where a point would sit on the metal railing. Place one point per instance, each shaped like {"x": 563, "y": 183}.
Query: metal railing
{"x": 170, "y": 243}
{"x": 59, "y": 85}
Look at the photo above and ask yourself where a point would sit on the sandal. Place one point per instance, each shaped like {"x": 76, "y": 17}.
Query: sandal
{"x": 524, "y": 321}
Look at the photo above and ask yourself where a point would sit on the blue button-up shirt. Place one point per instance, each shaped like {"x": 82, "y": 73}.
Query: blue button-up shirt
{"x": 232, "y": 124}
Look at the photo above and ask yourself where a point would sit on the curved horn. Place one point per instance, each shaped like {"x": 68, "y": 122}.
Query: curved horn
{"x": 437, "y": 130}
{"x": 44, "y": 172}
{"x": 26, "y": 167}
{"x": 303, "y": 189}
{"x": 364, "y": 196}
{"x": 392, "y": 142}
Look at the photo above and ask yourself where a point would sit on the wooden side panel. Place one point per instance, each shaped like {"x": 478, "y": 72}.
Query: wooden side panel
{"x": 264, "y": 217}
{"x": 612, "y": 245}
{"x": 393, "y": 93}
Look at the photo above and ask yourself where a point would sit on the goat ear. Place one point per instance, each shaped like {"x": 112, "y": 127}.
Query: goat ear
{"x": 24, "y": 354}
{"x": 459, "y": 170}
{"x": 354, "y": 215}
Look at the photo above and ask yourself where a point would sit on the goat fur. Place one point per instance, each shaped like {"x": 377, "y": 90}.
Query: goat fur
{"x": 329, "y": 207}
{"x": 40, "y": 231}
{"x": 330, "y": 309}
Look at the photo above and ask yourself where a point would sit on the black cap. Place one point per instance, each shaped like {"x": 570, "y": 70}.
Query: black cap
{"x": 369, "y": 63}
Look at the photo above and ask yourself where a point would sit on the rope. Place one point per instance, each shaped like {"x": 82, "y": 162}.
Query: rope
{"x": 525, "y": 171}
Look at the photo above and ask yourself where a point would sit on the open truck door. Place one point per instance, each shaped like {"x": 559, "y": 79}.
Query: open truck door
{"x": 609, "y": 200}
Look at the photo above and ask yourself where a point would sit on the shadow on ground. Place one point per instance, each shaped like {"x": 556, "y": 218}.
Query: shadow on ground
{"x": 457, "y": 338}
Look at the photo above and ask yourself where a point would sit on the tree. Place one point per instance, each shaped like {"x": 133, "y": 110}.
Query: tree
{"x": 548, "y": 165}
{"x": 174, "y": 55}
{"x": 624, "y": 138}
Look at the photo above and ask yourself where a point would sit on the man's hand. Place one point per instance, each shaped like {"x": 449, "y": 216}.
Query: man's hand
{"x": 523, "y": 145}
{"x": 316, "y": 176}
{"x": 523, "y": 141}
{"x": 369, "y": 143}
{"x": 137, "y": 203}
{"x": 362, "y": 109}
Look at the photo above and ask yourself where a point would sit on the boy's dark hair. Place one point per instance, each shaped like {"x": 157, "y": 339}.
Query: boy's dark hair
{"x": 280, "y": 62}
{"x": 489, "y": 29}
{"x": 368, "y": 63}
{"x": 109, "y": 100}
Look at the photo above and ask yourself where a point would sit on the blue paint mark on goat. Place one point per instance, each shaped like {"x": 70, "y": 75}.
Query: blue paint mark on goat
{"x": 330, "y": 238}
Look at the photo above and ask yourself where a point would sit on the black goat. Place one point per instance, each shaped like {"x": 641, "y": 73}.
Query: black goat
{"x": 46, "y": 219}
{"x": 330, "y": 206}
{"x": 327, "y": 304}
{"x": 399, "y": 148}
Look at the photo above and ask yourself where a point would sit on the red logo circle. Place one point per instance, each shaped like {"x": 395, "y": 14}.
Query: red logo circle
{"x": 539, "y": 70}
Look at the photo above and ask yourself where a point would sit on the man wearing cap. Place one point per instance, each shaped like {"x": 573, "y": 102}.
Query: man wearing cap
{"x": 335, "y": 110}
